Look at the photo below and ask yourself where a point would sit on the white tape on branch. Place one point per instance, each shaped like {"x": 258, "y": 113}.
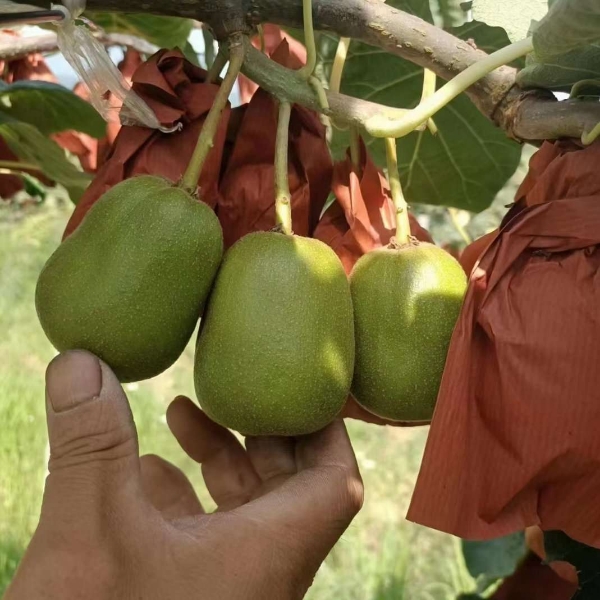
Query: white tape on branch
{"x": 110, "y": 94}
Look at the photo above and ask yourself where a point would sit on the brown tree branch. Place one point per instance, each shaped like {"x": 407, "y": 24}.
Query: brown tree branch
{"x": 523, "y": 116}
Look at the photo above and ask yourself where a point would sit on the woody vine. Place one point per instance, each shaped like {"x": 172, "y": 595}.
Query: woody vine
{"x": 524, "y": 115}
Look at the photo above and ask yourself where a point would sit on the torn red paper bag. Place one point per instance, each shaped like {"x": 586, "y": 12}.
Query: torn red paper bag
{"x": 273, "y": 35}
{"x": 364, "y": 217}
{"x": 174, "y": 88}
{"x": 514, "y": 440}
{"x": 470, "y": 255}
{"x": 247, "y": 191}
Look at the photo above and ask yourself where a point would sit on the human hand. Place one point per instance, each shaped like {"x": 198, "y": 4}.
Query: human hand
{"x": 114, "y": 526}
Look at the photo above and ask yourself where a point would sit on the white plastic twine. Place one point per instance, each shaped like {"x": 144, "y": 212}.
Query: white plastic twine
{"x": 91, "y": 62}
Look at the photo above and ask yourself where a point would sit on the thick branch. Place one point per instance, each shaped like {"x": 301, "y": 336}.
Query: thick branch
{"x": 524, "y": 117}
{"x": 405, "y": 35}
{"x": 288, "y": 86}
{"x": 371, "y": 21}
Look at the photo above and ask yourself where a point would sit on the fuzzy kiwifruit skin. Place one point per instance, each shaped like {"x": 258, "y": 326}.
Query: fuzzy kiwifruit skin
{"x": 406, "y": 304}
{"x": 275, "y": 354}
{"x": 130, "y": 283}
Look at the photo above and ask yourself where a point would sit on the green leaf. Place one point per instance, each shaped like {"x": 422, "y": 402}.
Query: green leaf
{"x": 447, "y": 13}
{"x": 50, "y": 108}
{"x": 489, "y": 38}
{"x": 561, "y": 72}
{"x": 584, "y": 558}
{"x": 166, "y": 32}
{"x": 495, "y": 559}
{"x": 33, "y": 186}
{"x": 515, "y": 16}
{"x": 190, "y": 53}
{"x": 470, "y": 159}
{"x": 570, "y": 24}
{"x": 32, "y": 147}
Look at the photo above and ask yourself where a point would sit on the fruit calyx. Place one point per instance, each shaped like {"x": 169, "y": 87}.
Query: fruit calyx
{"x": 396, "y": 245}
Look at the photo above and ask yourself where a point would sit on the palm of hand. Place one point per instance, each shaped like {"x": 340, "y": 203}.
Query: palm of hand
{"x": 115, "y": 526}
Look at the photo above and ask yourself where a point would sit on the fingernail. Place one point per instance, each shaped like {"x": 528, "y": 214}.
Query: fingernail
{"x": 73, "y": 378}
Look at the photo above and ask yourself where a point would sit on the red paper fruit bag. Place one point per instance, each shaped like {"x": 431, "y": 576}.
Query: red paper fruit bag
{"x": 514, "y": 440}
{"x": 364, "y": 217}
{"x": 247, "y": 191}
{"x": 174, "y": 88}
{"x": 273, "y": 35}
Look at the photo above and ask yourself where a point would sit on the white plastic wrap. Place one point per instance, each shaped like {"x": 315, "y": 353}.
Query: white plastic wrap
{"x": 110, "y": 94}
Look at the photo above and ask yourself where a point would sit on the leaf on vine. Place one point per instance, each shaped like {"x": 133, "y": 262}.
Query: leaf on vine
{"x": 470, "y": 159}
{"x": 166, "y": 32}
{"x": 448, "y": 13}
{"x": 495, "y": 559}
{"x": 570, "y": 24}
{"x": 514, "y": 16}
{"x": 561, "y": 72}
{"x": 560, "y": 547}
{"x": 50, "y": 108}
{"x": 33, "y": 186}
{"x": 32, "y": 147}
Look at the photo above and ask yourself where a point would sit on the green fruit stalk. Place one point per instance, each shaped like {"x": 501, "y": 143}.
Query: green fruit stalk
{"x": 275, "y": 353}
{"x": 406, "y": 303}
{"x": 130, "y": 283}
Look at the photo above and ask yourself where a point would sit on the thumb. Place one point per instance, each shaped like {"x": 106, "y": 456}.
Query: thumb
{"x": 93, "y": 441}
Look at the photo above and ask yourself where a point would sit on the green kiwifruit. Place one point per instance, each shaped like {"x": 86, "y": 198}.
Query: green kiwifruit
{"x": 275, "y": 353}
{"x": 406, "y": 304}
{"x": 130, "y": 283}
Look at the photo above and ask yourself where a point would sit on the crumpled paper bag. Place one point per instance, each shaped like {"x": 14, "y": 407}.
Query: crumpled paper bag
{"x": 514, "y": 439}
{"x": 247, "y": 190}
{"x": 363, "y": 217}
{"x": 174, "y": 88}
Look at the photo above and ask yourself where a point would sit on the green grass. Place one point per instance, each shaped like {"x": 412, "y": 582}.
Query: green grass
{"x": 381, "y": 556}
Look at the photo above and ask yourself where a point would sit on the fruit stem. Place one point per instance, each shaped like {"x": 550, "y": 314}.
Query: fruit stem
{"x": 217, "y": 66}
{"x": 14, "y": 165}
{"x": 337, "y": 70}
{"x": 464, "y": 234}
{"x": 283, "y": 197}
{"x": 355, "y": 149}
{"x": 402, "y": 223}
{"x": 429, "y": 84}
{"x": 261, "y": 34}
{"x": 207, "y": 135}
{"x": 382, "y": 126}
{"x": 309, "y": 41}
{"x": 589, "y": 137}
